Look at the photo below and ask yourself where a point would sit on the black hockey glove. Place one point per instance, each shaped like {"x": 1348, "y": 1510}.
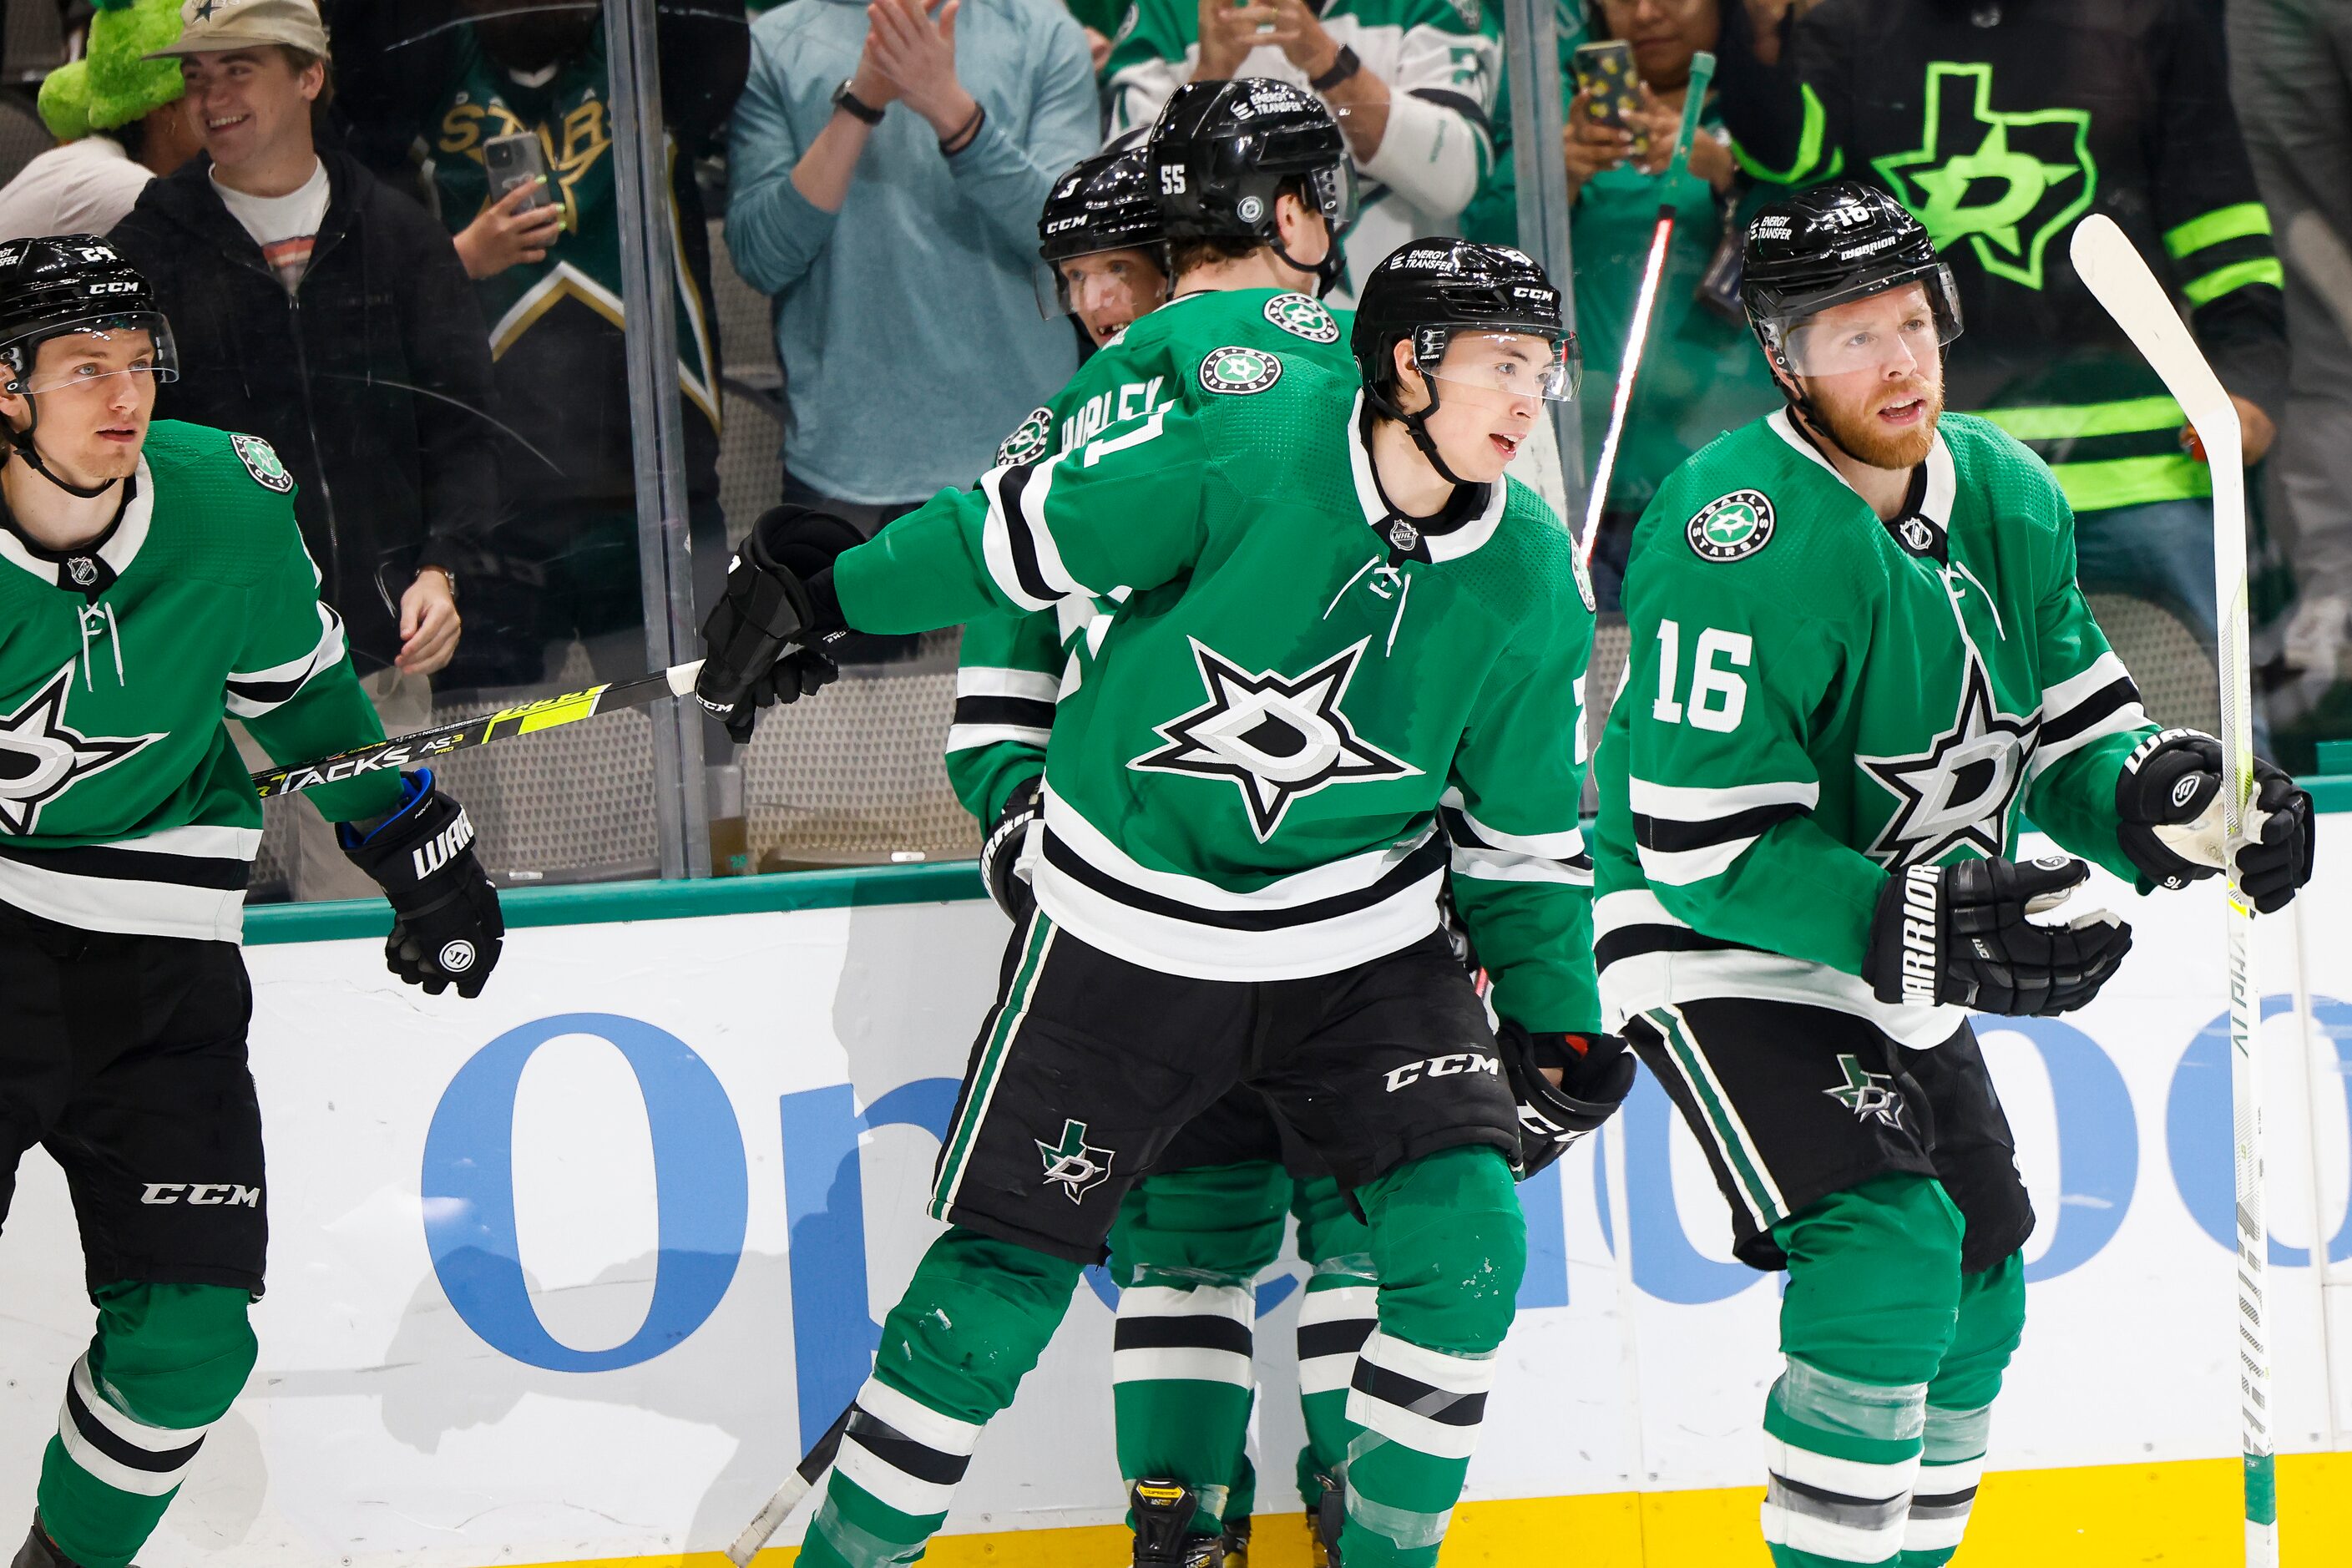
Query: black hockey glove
{"x": 2169, "y": 796}
{"x": 1960, "y": 934}
{"x": 1596, "y": 1074}
{"x": 446, "y": 925}
{"x": 761, "y": 645}
{"x": 1000, "y": 856}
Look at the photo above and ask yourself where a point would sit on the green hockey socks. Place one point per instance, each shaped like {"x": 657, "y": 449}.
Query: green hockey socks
{"x": 165, "y": 1364}
{"x": 1336, "y": 1316}
{"x": 974, "y": 1320}
{"x": 1876, "y": 1432}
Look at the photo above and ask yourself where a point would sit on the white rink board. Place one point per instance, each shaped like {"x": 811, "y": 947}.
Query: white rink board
{"x": 624, "y": 1381}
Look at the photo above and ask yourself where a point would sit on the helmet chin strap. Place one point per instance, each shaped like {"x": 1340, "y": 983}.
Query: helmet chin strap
{"x": 25, "y": 449}
{"x": 1416, "y": 424}
{"x": 1325, "y": 271}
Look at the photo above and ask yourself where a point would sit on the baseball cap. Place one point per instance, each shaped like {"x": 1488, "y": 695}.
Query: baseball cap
{"x": 210, "y": 27}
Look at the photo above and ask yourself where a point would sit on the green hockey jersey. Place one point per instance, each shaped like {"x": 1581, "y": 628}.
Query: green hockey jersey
{"x": 1013, "y": 664}
{"x": 1244, "y": 781}
{"x": 1815, "y": 697}
{"x": 123, "y": 805}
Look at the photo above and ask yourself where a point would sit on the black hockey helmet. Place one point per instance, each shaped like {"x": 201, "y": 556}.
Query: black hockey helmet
{"x": 1429, "y": 291}
{"x": 53, "y": 286}
{"x": 1828, "y": 246}
{"x": 1103, "y": 202}
{"x": 1221, "y": 150}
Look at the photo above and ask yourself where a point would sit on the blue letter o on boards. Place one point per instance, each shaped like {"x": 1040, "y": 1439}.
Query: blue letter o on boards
{"x": 2098, "y": 1142}
{"x": 701, "y": 1191}
{"x": 2196, "y": 1128}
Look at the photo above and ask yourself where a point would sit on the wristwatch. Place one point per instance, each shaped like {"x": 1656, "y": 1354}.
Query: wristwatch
{"x": 848, "y": 102}
{"x": 1343, "y": 65}
{"x": 446, "y": 576}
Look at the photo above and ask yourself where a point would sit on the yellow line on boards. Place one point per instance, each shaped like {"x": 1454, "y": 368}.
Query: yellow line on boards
{"x": 2182, "y": 1514}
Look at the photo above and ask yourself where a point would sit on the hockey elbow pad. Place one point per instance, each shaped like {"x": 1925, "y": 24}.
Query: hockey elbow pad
{"x": 778, "y": 596}
{"x": 1960, "y": 934}
{"x": 2169, "y": 801}
{"x": 1001, "y": 857}
{"x": 446, "y": 925}
{"x": 1596, "y": 1075}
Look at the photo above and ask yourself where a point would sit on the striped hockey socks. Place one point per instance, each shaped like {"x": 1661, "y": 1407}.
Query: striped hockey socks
{"x": 165, "y": 1364}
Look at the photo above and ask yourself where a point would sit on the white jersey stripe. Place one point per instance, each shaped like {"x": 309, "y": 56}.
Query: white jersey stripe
{"x": 1682, "y": 803}
{"x": 1681, "y": 867}
{"x": 971, "y": 737}
{"x": 1499, "y": 866}
{"x": 991, "y": 680}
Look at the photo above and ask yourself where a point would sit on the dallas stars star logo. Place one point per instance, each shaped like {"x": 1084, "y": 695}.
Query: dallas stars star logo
{"x": 1871, "y": 1096}
{"x": 1078, "y": 1165}
{"x": 2031, "y": 173}
{"x": 40, "y": 758}
{"x": 1958, "y": 791}
{"x": 1275, "y": 738}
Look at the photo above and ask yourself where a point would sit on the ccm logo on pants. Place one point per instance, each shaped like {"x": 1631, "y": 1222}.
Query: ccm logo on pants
{"x": 1446, "y": 1066}
{"x": 201, "y": 1194}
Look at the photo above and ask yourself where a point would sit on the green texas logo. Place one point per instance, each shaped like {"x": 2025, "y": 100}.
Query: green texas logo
{"x": 1077, "y": 1166}
{"x": 1871, "y": 1096}
{"x": 2007, "y": 184}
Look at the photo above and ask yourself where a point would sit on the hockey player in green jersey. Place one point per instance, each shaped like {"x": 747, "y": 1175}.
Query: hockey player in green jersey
{"x": 1343, "y": 620}
{"x": 151, "y": 580}
{"x": 1859, "y": 654}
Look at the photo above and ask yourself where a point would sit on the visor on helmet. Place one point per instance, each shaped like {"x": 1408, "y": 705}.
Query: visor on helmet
{"x": 1812, "y": 347}
{"x": 1336, "y": 195}
{"x": 1143, "y": 280}
{"x": 1517, "y": 364}
{"x": 105, "y": 339}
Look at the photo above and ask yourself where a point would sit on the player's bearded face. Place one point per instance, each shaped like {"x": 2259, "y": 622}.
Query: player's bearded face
{"x": 1874, "y": 374}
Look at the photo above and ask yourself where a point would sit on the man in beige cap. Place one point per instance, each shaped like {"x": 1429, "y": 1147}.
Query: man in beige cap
{"x": 325, "y": 311}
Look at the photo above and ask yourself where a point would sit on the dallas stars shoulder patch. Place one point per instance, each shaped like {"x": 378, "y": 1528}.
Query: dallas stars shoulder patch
{"x": 260, "y": 460}
{"x": 1730, "y": 526}
{"x": 1235, "y": 370}
{"x": 1029, "y": 439}
{"x": 1302, "y": 317}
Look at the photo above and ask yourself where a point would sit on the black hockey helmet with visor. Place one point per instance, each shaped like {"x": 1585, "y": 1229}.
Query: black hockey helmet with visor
{"x": 61, "y": 286}
{"x": 1222, "y": 151}
{"x": 1103, "y": 202}
{"x": 1451, "y": 299}
{"x": 1830, "y": 245}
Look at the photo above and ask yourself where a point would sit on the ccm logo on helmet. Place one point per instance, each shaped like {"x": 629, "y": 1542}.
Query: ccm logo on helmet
{"x": 1451, "y": 1065}
{"x": 202, "y": 1195}
{"x": 113, "y": 286}
{"x": 441, "y": 847}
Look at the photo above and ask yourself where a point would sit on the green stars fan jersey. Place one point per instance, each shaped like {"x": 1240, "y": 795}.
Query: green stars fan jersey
{"x": 1013, "y": 664}
{"x": 123, "y": 807}
{"x": 1244, "y": 779}
{"x": 1815, "y": 697}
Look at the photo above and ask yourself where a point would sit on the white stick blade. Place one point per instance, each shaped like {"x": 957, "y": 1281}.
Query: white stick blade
{"x": 2119, "y": 276}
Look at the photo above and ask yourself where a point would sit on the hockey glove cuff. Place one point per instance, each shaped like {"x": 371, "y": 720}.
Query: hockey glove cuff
{"x": 1001, "y": 859}
{"x": 1596, "y": 1073}
{"x": 446, "y": 925}
{"x": 2168, "y": 798}
{"x": 1960, "y": 934}
{"x": 760, "y": 643}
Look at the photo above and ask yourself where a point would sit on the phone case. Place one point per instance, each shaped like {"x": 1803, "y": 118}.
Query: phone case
{"x": 1604, "y": 73}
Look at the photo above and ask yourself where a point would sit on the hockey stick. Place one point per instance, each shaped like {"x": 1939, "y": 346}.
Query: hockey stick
{"x": 779, "y": 1508}
{"x": 2119, "y": 276}
{"x": 1637, "y": 334}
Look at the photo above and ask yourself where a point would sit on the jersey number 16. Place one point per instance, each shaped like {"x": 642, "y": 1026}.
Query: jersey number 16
{"x": 1717, "y": 694}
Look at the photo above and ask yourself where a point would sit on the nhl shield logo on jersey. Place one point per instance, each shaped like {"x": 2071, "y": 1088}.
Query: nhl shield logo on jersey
{"x": 1076, "y": 1164}
{"x": 1275, "y": 738}
{"x": 260, "y": 460}
{"x": 1302, "y": 317}
{"x": 1239, "y": 370}
{"x": 1871, "y": 1096}
{"x": 1731, "y": 526}
{"x": 41, "y": 757}
{"x": 1958, "y": 790}
{"x": 1028, "y": 441}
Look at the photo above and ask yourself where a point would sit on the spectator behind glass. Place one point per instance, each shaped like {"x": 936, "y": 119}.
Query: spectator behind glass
{"x": 327, "y": 314}
{"x": 1412, "y": 83}
{"x": 117, "y": 118}
{"x": 1701, "y": 372}
{"x": 2000, "y": 125}
{"x": 461, "y": 73}
{"x": 902, "y": 252}
{"x": 2291, "y": 67}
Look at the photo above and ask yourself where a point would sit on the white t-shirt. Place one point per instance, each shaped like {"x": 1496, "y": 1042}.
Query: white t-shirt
{"x": 285, "y": 226}
{"x": 82, "y": 187}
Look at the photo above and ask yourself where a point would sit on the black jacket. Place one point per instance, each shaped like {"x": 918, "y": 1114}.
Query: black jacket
{"x": 372, "y": 379}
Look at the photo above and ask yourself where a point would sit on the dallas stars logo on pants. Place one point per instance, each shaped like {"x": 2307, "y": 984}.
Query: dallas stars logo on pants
{"x": 1869, "y": 1095}
{"x": 1275, "y": 738}
{"x": 1078, "y": 1165}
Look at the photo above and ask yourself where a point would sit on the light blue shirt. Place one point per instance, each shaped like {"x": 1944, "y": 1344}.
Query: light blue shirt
{"x": 907, "y": 322}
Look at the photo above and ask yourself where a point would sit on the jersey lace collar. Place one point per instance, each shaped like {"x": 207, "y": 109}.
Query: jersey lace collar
{"x": 1434, "y": 539}
{"x": 91, "y": 568}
